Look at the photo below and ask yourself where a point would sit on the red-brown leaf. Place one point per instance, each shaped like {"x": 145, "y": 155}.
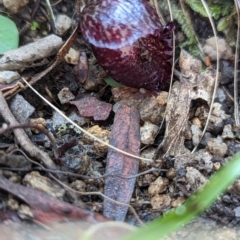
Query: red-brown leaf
{"x": 91, "y": 107}
{"x": 125, "y": 136}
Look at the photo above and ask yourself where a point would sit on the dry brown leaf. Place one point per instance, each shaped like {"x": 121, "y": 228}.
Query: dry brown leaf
{"x": 125, "y": 136}
{"x": 91, "y": 107}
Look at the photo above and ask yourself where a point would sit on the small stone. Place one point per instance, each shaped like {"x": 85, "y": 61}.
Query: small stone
{"x": 196, "y": 135}
{"x": 218, "y": 112}
{"x": 227, "y": 199}
{"x": 146, "y": 180}
{"x": 44, "y": 184}
{"x": 233, "y": 148}
{"x": 237, "y": 211}
{"x": 14, "y": 6}
{"x": 221, "y": 95}
{"x": 72, "y": 57}
{"x": 152, "y": 108}
{"x": 194, "y": 178}
{"x": 217, "y": 117}
{"x": 78, "y": 185}
{"x": 160, "y": 201}
{"x": 216, "y": 147}
{"x": 225, "y": 51}
{"x": 158, "y": 186}
{"x": 216, "y": 166}
{"x": 196, "y": 121}
{"x": 64, "y": 9}
{"x": 12, "y": 203}
{"x": 207, "y": 136}
{"x": 62, "y": 24}
{"x": 25, "y": 212}
{"x": 77, "y": 162}
{"x": 236, "y": 186}
{"x": 57, "y": 120}
{"x": 162, "y": 98}
{"x": 227, "y": 132}
{"x": 40, "y": 122}
{"x": 100, "y": 133}
{"x": 148, "y": 133}
{"x": 147, "y": 153}
{"x": 8, "y": 76}
{"x": 65, "y": 95}
{"x": 76, "y": 118}
{"x": 204, "y": 159}
{"x": 179, "y": 201}
{"x": 21, "y": 109}
{"x": 227, "y": 75}
{"x": 171, "y": 173}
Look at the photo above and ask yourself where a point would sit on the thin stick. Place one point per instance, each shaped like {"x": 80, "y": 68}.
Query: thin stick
{"x": 42, "y": 169}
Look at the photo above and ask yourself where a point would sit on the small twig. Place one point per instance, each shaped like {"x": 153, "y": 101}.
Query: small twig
{"x": 70, "y": 174}
{"x": 19, "y": 86}
{"x": 22, "y": 137}
{"x": 37, "y": 3}
{"x": 51, "y": 12}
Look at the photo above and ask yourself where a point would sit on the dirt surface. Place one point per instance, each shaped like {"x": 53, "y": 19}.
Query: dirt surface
{"x": 157, "y": 191}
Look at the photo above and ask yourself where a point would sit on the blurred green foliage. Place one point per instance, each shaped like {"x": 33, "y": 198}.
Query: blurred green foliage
{"x": 9, "y": 36}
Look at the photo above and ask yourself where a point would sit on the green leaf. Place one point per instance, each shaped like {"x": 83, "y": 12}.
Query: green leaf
{"x": 196, "y": 204}
{"x": 222, "y": 24}
{"x": 216, "y": 12}
{"x": 111, "y": 82}
{"x": 9, "y": 36}
{"x": 197, "y": 6}
{"x": 34, "y": 26}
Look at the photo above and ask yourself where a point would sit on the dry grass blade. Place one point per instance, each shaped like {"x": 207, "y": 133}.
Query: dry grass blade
{"x": 50, "y": 11}
{"x": 236, "y": 107}
{"x": 173, "y": 59}
{"x": 217, "y": 69}
{"x": 155, "y": 3}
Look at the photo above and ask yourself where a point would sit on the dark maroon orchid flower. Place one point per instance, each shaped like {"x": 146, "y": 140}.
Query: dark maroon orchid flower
{"x": 129, "y": 42}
